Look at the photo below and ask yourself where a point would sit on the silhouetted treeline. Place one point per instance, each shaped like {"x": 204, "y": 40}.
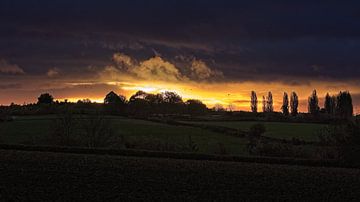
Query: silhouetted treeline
{"x": 141, "y": 104}
{"x": 339, "y": 106}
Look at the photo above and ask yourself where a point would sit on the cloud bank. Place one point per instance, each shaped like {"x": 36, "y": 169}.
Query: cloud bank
{"x": 158, "y": 69}
{"x": 7, "y": 68}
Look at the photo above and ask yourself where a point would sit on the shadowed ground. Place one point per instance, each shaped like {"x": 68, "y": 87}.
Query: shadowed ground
{"x": 56, "y": 176}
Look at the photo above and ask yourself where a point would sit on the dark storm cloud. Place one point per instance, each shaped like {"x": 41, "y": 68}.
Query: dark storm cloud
{"x": 246, "y": 40}
{"x": 10, "y": 86}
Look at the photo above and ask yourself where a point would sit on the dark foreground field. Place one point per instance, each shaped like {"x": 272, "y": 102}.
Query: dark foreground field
{"x": 39, "y": 176}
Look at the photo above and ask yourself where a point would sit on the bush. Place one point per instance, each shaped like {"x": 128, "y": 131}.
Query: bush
{"x": 97, "y": 131}
{"x": 257, "y": 130}
{"x": 64, "y": 129}
{"x": 254, "y": 136}
{"x": 92, "y": 131}
{"x": 345, "y": 138}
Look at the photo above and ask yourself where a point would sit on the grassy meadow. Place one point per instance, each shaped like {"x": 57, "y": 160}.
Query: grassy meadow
{"x": 141, "y": 133}
{"x": 281, "y": 130}
{"x": 148, "y": 135}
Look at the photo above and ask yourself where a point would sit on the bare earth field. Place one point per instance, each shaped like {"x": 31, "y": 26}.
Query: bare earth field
{"x": 45, "y": 176}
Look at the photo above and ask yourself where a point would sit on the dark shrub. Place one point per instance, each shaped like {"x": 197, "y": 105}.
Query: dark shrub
{"x": 97, "y": 131}
{"x": 257, "y": 130}
{"x": 345, "y": 138}
{"x": 254, "y": 136}
{"x": 64, "y": 129}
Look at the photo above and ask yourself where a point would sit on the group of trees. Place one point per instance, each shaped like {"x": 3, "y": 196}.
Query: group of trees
{"x": 268, "y": 103}
{"x": 340, "y": 105}
{"x": 139, "y": 104}
{"x": 142, "y": 104}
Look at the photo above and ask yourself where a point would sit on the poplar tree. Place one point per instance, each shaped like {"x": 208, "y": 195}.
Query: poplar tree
{"x": 330, "y": 104}
{"x": 285, "y": 106}
{"x": 254, "y": 102}
{"x": 313, "y": 103}
{"x": 263, "y": 104}
{"x": 294, "y": 103}
{"x": 344, "y": 106}
{"x": 269, "y": 103}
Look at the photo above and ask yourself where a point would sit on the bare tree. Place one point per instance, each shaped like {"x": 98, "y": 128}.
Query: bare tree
{"x": 64, "y": 128}
{"x": 97, "y": 131}
{"x": 218, "y": 107}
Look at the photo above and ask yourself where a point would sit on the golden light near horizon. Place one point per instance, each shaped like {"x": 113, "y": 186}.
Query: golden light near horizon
{"x": 229, "y": 94}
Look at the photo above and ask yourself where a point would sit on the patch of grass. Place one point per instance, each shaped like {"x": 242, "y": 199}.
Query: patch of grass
{"x": 37, "y": 130}
{"x": 281, "y": 130}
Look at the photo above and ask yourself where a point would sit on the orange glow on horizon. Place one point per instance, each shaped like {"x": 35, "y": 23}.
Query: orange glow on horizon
{"x": 235, "y": 94}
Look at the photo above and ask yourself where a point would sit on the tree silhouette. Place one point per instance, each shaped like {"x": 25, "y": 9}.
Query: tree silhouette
{"x": 138, "y": 95}
{"x": 219, "y": 107}
{"x": 313, "y": 103}
{"x": 173, "y": 103}
{"x": 172, "y": 98}
{"x": 263, "y": 104}
{"x": 344, "y": 107}
{"x": 45, "y": 98}
{"x": 115, "y": 104}
{"x": 330, "y": 104}
{"x": 154, "y": 99}
{"x": 294, "y": 103}
{"x": 254, "y": 102}
{"x": 195, "y": 107}
{"x": 113, "y": 98}
{"x": 285, "y": 106}
{"x": 269, "y": 103}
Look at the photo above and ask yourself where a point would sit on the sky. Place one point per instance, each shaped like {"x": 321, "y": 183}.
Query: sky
{"x": 217, "y": 51}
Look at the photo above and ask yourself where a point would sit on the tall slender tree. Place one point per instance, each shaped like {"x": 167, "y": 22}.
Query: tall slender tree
{"x": 269, "y": 103}
{"x": 294, "y": 103}
{"x": 313, "y": 103}
{"x": 254, "y": 102}
{"x": 285, "y": 106}
{"x": 329, "y": 104}
{"x": 263, "y": 104}
{"x": 344, "y": 106}
{"x": 333, "y": 104}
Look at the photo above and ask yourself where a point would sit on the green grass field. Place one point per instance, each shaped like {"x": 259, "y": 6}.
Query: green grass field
{"x": 37, "y": 130}
{"x": 303, "y": 131}
{"x": 141, "y": 134}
